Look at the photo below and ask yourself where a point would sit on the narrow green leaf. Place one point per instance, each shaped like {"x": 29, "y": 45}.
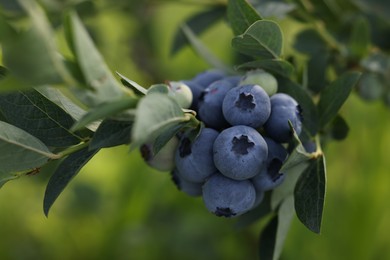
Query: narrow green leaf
{"x": 198, "y": 23}
{"x": 360, "y": 38}
{"x": 334, "y": 96}
{"x": 38, "y": 116}
{"x": 32, "y": 55}
{"x": 98, "y": 77}
{"x": 66, "y": 171}
{"x": 132, "y": 84}
{"x": 286, "y": 213}
{"x": 309, "y": 194}
{"x": 203, "y": 51}
{"x": 309, "y": 110}
{"x": 162, "y": 139}
{"x": 20, "y": 150}
{"x": 105, "y": 110}
{"x": 276, "y": 67}
{"x": 263, "y": 39}
{"x": 241, "y": 15}
{"x": 268, "y": 239}
{"x": 286, "y": 189}
{"x": 111, "y": 133}
{"x": 155, "y": 114}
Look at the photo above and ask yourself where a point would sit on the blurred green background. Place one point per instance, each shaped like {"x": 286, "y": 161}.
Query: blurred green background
{"x": 119, "y": 208}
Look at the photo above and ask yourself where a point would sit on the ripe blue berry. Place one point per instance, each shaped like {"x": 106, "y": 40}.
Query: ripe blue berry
{"x": 226, "y": 197}
{"x": 246, "y": 105}
{"x": 210, "y": 104}
{"x": 270, "y": 176}
{"x": 240, "y": 152}
{"x": 194, "y": 159}
{"x": 190, "y": 188}
{"x": 283, "y": 109}
{"x": 207, "y": 77}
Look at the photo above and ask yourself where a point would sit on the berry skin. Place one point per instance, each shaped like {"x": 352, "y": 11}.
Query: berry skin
{"x": 194, "y": 160}
{"x": 207, "y": 77}
{"x": 270, "y": 177}
{"x": 226, "y": 197}
{"x": 210, "y": 104}
{"x": 262, "y": 78}
{"x": 240, "y": 152}
{"x": 181, "y": 93}
{"x": 283, "y": 108}
{"x": 164, "y": 160}
{"x": 190, "y": 188}
{"x": 196, "y": 90}
{"x": 246, "y": 105}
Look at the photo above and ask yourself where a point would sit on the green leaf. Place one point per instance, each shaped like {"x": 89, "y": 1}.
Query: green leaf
{"x": 105, "y": 110}
{"x": 360, "y": 38}
{"x": 286, "y": 189}
{"x": 285, "y": 214}
{"x": 309, "y": 194}
{"x": 20, "y": 150}
{"x": 309, "y": 110}
{"x": 31, "y": 55}
{"x": 298, "y": 155}
{"x": 268, "y": 239}
{"x": 40, "y": 117}
{"x": 99, "y": 79}
{"x": 316, "y": 70}
{"x": 198, "y": 23}
{"x": 241, "y": 15}
{"x": 155, "y": 114}
{"x": 132, "y": 85}
{"x": 111, "y": 133}
{"x": 334, "y": 96}
{"x": 162, "y": 139}
{"x": 276, "y": 67}
{"x": 60, "y": 99}
{"x": 340, "y": 128}
{"x": 263, "y": 39}
{"x": 66, "y": 171}
{"x": 203, "y": 51}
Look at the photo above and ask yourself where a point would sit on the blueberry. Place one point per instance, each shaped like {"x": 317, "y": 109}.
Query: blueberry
{"x": 275, "y": 150}
{"x": 259, "y": 198}
{"x": 194, "y": 159}
{"x": 283, "y": 108}
{"x": 207, "y": 77}
{"x": 210, "y": 104}
{"x": 270, "y": 176}
{"x": 164, "y": 160}
{"x": 226, "y": 197}
{"x": 240, "y": 152}
{"x": 246, "y": 105}
{"x": 310, "y": 146}
{"x": 262, "y": 78}
{"x": 190, "y": 188}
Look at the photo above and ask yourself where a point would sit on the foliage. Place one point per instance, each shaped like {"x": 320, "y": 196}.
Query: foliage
{"x": 64, "y": 107}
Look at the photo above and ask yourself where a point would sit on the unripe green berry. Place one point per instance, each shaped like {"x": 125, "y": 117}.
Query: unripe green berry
{"x": 262, "y": 78}
{"x": 164, "y": 160}
{"x": 181, "y": 93}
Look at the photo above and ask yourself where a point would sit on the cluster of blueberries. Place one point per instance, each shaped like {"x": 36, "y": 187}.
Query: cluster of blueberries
{"x": 238, "y": 154}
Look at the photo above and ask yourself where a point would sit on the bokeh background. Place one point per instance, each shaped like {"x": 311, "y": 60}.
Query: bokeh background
{"x": 119, "y": 208}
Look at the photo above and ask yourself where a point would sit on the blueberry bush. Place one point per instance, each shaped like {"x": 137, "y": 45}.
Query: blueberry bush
{"x": 247, "y": 136}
